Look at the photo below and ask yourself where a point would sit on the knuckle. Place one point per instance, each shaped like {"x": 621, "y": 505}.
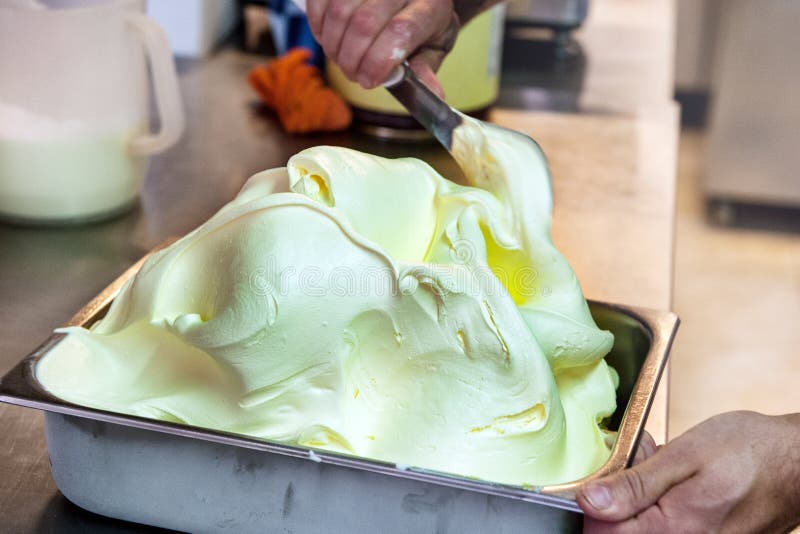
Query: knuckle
{"x": 634, "y": 485}
{"x": 404, "y": 28}
{"x": 364, "y": 22}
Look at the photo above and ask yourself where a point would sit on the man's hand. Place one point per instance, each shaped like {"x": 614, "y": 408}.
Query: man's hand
{"x": 369, "y": 38}
{"x": 736, "y": 472}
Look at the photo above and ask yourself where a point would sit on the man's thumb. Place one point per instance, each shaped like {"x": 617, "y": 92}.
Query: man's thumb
{"x": 629, "y": 492}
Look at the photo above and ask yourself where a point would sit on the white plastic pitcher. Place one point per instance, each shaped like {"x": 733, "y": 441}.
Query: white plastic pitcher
{"x": 74, "y": 106}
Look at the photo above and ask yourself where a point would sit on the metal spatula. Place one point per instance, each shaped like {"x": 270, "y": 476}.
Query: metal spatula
{"x": 432, "y": 112}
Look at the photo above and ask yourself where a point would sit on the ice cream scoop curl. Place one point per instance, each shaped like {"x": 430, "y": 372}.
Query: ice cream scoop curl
{"x": 364, "y": 312}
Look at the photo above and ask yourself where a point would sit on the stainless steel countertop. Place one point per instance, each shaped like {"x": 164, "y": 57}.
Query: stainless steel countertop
{"x": 46, "y": 274}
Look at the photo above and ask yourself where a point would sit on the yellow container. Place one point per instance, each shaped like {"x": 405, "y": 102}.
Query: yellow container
{"x": 470, "y": 74}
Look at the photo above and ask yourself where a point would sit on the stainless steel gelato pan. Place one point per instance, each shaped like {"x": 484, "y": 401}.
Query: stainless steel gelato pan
{"x": 199, "y": 480}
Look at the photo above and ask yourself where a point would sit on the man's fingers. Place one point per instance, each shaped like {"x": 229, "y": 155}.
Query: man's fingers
{"x": 420, "y": 22}
{"x": 315, "y": 9}
{"x": 334, "y": 21}
{"x": 364, "y": 26}
{"x": 647, "y": 447}
{"x": 369, "y": 38}
{"x": 629, "y": 492}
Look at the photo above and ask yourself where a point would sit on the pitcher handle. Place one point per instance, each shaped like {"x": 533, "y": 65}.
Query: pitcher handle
{"x": 165, "y": 85}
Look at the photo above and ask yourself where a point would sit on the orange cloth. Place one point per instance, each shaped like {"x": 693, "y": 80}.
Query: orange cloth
{"x": 296, "y": 91}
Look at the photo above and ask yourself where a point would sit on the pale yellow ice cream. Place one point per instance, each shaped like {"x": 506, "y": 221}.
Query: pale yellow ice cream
{"x": 377, "y": 309}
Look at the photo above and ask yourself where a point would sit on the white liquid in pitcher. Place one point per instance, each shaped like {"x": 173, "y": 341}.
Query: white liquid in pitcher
{"x": 64, "y": 170}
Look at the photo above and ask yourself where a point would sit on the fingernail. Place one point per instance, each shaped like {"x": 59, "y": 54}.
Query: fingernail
{"x": 598, "y": 496}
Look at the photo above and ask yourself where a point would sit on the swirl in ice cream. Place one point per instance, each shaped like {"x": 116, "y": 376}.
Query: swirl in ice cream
{"x": 377, "y": 309}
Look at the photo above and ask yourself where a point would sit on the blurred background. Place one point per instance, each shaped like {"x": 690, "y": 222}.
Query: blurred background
{"x": 737, "y": 245}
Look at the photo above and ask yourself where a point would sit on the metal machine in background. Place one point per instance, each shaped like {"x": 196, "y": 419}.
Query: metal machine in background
{"x": 543, "y": 64}
{"x": 559, "y": 15}
{"x": 754, "y": 141}
{"x": 558, "y": 18}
